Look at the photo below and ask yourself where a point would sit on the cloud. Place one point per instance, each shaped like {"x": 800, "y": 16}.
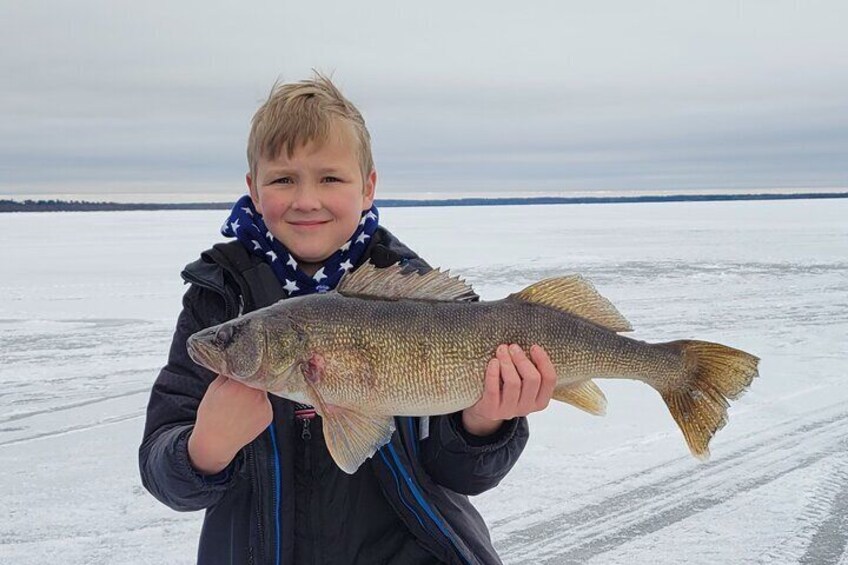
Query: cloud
{"x": 610, "y": 94}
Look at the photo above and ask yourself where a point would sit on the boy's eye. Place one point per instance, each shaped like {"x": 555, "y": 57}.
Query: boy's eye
{"x": 332, "y": 179}
{"x": 282, "y": 180}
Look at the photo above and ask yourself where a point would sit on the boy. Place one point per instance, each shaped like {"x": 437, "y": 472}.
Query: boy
{"x": 257, "y": 464}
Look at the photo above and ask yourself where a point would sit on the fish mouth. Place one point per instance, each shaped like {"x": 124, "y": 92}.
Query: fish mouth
{"x": 202, "y": 350}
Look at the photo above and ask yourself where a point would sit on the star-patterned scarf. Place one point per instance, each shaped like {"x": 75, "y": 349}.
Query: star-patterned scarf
{"x": 246, "y": 225}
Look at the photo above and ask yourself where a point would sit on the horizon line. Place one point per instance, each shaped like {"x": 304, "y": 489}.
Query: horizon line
{"x": 31, "y": 205}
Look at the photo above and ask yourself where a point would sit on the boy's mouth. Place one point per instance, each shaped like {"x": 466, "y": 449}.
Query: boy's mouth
{"x": 309, "y": 223}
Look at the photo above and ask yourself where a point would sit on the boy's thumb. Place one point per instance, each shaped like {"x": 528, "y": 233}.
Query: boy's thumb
{"x": 219, "y": 381}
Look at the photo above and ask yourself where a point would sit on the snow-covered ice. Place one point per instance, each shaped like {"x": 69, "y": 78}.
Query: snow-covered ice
{"x": 88, "y": 306}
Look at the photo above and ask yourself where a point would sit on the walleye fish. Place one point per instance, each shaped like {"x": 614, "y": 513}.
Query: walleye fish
{"x": 391, "y": 343}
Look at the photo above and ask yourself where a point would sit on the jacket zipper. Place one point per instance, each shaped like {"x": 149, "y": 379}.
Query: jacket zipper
{"x": 275, "y": 472}
{"x": 254, "y": 478}
{"x": 418, "y": 497}
{"x": 306, "y": 436}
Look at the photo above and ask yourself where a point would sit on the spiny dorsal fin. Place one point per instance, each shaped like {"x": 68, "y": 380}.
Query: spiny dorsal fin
{"x": 392, "y": 283}
{"x": 575, "y": 295}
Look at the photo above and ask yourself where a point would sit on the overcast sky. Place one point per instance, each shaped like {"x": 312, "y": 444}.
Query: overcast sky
{"x": 107, "y": 97}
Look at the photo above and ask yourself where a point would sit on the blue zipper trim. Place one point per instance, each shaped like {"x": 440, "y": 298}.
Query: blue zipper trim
{"x": 400, "y": 494}
{"x": 413, "y": 488}
{"x": 276, "y": 495}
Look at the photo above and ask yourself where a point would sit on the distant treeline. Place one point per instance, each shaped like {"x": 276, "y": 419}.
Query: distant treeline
{"x": 84, "y": 206}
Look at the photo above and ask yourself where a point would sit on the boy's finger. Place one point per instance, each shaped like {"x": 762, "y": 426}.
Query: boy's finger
{"x": 502, "y": 355}
{"x": 511, "y": 381}
{"x": 530, "y": 378}
{"x": 492, "y": 385}
{"x": 519, "y": 359}
{"x": 505, "y": 359}
{"x": 547, "y": 371}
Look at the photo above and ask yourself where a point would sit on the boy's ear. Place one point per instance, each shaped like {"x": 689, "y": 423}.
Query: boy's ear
{"x": 369, "y": 190}
{"x": 254, "y": 195}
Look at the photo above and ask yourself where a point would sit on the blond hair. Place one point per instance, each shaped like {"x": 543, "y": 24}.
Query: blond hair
{"x": 297, "y": 113}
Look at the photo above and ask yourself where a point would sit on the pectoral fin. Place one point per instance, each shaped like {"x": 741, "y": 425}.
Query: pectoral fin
{"x": 586, "y": 396}
{"x": 351, "y": 436}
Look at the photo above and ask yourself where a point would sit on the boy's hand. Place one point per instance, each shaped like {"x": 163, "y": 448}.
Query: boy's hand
{"x": 515, "y": 386}
{"x": 230, "y": 416}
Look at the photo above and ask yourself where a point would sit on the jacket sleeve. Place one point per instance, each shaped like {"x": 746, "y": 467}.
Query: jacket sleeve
{"x": 172, "y": 410}
{"x": 469, "y": 464}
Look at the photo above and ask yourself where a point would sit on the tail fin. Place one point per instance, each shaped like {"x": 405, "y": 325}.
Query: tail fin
{"x": 714, "y": 374}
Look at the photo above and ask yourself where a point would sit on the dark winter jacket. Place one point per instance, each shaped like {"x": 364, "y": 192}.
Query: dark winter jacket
{"x": 250, "y": 506}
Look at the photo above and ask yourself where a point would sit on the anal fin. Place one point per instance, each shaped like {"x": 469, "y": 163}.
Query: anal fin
{"x": 585, "y": 395}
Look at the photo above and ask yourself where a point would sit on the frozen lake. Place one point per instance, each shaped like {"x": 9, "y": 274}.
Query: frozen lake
{"x": 88, "y": 306}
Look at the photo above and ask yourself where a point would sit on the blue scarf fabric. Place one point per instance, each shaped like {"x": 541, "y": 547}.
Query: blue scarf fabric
{"x": 246, "y": 225}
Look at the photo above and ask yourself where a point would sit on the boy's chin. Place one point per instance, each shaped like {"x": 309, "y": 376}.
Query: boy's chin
{"x": 315, "y": 256}
{"x": 311, "y": 258}
{"x": 310, "y": 263}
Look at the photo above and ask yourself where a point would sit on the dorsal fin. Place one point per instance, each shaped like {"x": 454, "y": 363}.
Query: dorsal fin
{"x": 392, "y": 283}
{"x": 577, "y": 296}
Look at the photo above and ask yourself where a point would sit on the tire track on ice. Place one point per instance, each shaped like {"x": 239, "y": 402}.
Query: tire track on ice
{"x": 578, "y": 535}
{"x": 799, "y": 546}
{"x": 72, "y": 405}
{"x": 830, "y": 540}
{"x": 10, "y": 539}
{"x": 72, "y": 429}
{"x": 76, "y": 417}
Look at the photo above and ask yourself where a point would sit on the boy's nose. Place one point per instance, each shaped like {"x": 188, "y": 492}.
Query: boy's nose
{"x": 306, "y": 197}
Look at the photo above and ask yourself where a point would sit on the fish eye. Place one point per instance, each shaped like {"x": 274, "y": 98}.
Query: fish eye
{"x": 224, "y": 335}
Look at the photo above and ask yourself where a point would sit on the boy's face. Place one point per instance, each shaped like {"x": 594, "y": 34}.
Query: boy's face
{"x": 312, "y": 202}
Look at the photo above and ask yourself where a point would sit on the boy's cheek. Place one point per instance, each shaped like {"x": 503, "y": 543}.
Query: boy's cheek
{"x": 270, "y": 208}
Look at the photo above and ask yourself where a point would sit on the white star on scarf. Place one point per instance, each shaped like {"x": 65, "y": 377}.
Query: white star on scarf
{"x": 346, "y": 266}
{"x": 235, "y": 226}
{"x": 319, "y": 275}
{"x": 256, "y": 245}
{"x": 270, "y": 236}
{"x": 362, "y": 237}
{"x": 272, "y": 255}
{"x": 371, "y": 215}
{"x": 345, "y": 247}
{"x": 248, "y": 211}
{"x": 292, "y": 262}
{"x": 290, "y": 286}
{"x": 363, "y": 220}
